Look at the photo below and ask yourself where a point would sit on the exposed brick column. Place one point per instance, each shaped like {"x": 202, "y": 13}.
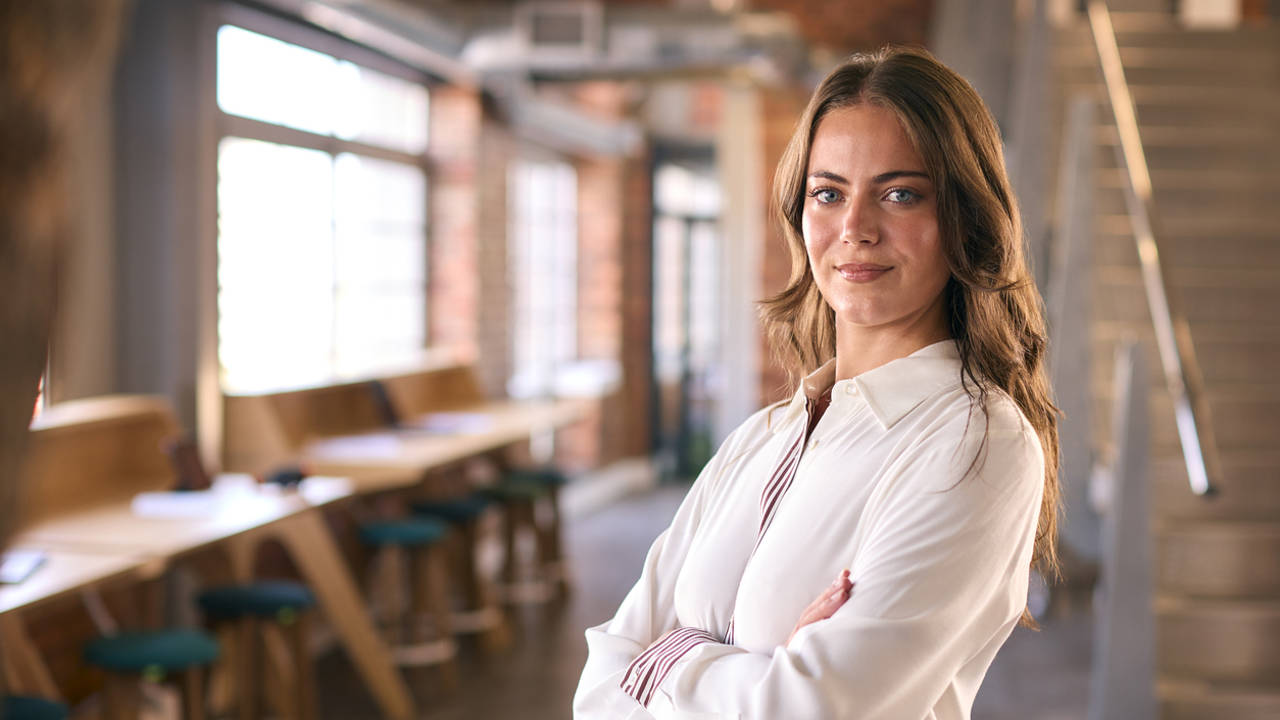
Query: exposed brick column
{"x": 613, "y": 289}
{"x": 637, "y": 318}
{"x": 457, "y": 115}
{"x": 494, "y": 332}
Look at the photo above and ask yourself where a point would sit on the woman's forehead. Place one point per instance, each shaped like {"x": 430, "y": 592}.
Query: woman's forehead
{"x": 863, "y": 139}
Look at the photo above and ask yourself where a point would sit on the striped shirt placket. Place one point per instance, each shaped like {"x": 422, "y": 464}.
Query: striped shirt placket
{"x": 650, "y": 668}
{"x": 782, "y": 478}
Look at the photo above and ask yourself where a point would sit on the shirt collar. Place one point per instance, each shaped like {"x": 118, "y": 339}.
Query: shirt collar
{"x": 891, "y": 390}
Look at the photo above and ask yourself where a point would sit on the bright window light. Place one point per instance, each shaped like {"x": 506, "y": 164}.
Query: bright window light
{"x": 262, "y": 78}
{"x": 322, "y": 257}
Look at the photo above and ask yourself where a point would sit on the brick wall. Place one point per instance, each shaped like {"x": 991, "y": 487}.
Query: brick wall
{"x": 637, "y": 320}
{"x": 844, "y": 29}
{"x": 613, "y": 289}
{"x": 494, "y": 333}
{"x": 456, "y": 127}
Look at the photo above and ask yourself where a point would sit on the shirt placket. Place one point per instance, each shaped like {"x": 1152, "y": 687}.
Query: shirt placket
{"x": 783, "y": 475}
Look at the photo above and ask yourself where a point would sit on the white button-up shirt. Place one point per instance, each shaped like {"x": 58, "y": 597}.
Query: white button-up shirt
{"x": 931, "y": 504}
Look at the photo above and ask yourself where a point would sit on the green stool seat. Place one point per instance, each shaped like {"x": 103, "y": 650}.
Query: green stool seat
{"x": 17, "y": 707}
{"x": 152, "y": 651}
{"x": 549, "y": 477}
{"x": 408, "y": 533}
{"x": 515, "y": 491}
{"x": 457, "y": 511}
{"x": 278, "y": 599}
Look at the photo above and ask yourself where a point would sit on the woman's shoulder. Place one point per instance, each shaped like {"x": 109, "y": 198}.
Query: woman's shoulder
{"x": 992, "y": 413}
{"x": 989, "y": 427}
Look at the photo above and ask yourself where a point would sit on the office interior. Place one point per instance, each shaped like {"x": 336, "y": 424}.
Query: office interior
{"x": 282, "y": 278}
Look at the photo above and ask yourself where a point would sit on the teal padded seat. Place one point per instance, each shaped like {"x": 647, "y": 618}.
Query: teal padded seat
{"x": 279, "y": 600}
{"x": 456, "y": 511}
{"x": 155, "y": 651}
{"x": 407, "y": 533}
{"x": 547, "y": 477}
{"x": 514, "y": 492}
{"x": 18, "y": 707}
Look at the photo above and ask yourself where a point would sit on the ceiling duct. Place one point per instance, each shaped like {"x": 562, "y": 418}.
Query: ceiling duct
{"x": 561, "y": 31}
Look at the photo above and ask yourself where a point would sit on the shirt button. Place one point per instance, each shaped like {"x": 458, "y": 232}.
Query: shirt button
{"x": 851, "y": 389}
{"x": 813, "y": 444}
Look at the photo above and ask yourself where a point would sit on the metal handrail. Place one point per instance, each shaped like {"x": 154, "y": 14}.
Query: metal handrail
{"x": 1173, "y": 334}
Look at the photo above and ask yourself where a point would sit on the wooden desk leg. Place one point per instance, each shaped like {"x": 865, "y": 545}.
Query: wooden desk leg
{"x": 316, "y": 555}
{"x": 22, "y": 661}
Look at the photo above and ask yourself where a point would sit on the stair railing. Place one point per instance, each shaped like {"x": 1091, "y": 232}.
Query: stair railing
{"x": 1173, "y": 334}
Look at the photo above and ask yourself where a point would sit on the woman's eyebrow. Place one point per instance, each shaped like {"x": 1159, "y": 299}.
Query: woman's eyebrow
{"x": 827, "y": 175}
{"x": 895, "y": 174}
{"x": 878, "y": 179}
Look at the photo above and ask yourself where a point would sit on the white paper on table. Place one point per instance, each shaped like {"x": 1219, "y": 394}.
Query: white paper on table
{"x": 452, "y": 423}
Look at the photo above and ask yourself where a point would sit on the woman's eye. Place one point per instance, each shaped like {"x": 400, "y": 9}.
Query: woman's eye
{"x": 902, "y": 196}
{"x": 825, "y": 196}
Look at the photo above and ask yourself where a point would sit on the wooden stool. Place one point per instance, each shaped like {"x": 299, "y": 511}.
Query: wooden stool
{"x": 152, "y": 655}
{"x": 519, "y": 494}
{"x": 423, "y": 540}
{"x": 244, "y": 612}
{"x": 479, "y": 611}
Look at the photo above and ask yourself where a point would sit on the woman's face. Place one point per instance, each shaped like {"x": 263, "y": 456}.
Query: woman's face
{"x": 870, "y": 225}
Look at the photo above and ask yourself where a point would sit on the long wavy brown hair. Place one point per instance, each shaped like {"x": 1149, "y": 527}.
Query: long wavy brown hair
{"x": 994, "y": 311}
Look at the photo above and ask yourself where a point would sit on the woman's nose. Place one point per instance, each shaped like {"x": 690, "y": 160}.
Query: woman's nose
{"x": 859, "y": 224}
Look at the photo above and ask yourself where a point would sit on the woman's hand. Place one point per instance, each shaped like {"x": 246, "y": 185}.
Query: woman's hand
{"x": 826, "y": 604}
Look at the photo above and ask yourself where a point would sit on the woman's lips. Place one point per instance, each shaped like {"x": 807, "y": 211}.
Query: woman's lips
{"x": 862, "y": 272}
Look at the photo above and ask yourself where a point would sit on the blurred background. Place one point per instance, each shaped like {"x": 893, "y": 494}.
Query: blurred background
{"x": 572, "y": 199}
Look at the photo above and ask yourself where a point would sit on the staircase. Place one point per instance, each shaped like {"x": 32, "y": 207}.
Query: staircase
{"x": 1209, "y": 110}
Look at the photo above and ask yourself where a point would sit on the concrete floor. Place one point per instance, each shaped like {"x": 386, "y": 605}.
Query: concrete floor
{"x": 1041, "y": 675}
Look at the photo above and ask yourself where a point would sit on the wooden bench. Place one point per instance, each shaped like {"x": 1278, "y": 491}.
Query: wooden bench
{"x": 270, "y": 429}
{"x": 91, "y": 453}
{"x": 88, "y": 459}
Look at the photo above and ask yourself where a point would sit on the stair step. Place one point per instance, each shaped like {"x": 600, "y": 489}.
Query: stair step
{"x": 1178, "y": 180}
{"x": 1225, "y": 330}
{"x": 1236, "y": 362}
{"x": 1216, "y": 253}
{"x": 1250, "y": 75}
{"x": 1189, "y": 274}
{"x": 1215, "y": 97}
{"x": 1219, "y": 560}
{"x": 1249, "y": 490}
{"x": 1218, "y": 640}
{"x": 1163, "y": 31}
{"x": 1240, "y": 424}
{"x": 1202, "y": 225}
{"x": 1071, "y": 55}
{"x": 1263, "y": 214}
{"x": 1199, "y": 305}
{"x": 1155, "y": 137}
{"x": 1205, "y": 701}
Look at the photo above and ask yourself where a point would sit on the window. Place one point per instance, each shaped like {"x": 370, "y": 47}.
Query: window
{"x": 686, "y": 304}
{"x": 543, "y": 257}
{"x": 322, "y": 254}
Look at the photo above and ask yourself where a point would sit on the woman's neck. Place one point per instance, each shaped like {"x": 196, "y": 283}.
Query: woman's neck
{"x": 859, "y": 349}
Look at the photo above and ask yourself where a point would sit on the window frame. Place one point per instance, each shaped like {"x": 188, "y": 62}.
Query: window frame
{"x": 226, "y": 125}
{"x": 530, "y": 157}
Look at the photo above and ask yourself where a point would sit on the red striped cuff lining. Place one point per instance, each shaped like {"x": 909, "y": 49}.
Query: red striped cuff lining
{"x": 651, "y": 667}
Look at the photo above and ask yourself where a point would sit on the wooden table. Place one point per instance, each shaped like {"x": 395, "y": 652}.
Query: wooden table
{"x": 63, "y": 573}
{"x": 238, "y": 522}
{"x": 397, "y": 458}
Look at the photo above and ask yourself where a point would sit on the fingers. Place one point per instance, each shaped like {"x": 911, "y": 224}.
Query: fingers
{"x": 835, "y": 596}
{"x": 827, "y": 603}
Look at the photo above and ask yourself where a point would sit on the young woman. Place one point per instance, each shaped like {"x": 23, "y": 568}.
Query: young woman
{"x": 916, "y": 464}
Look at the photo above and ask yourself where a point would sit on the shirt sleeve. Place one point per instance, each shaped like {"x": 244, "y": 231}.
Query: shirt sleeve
{"x": 648, "y": 611}
{"x": 940, "y": 574}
